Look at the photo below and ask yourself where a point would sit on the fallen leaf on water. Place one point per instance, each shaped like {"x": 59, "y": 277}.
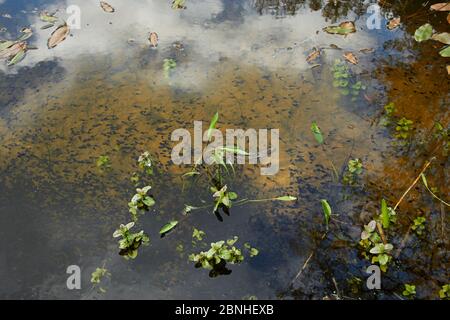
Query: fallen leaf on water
{"x": 423, "y": 33}
{"x": 343, "y": 28}
{"x": 178, "y": 4}
{"x": 5, "y": 45}
{"x": 58, "y": 36}
{"x": 445, "y": 52}
{"x": 153, "y": 38}
{"x": 443, "y": 37}
{"x": 47, "y": 26}
{"x": 26, "y": 30}
{"x": 350, "y": 57}
{"x": 313, "y": 55}
{"x": 46, "y": 17}
{"x": 13, "y": 50}
{"x": 367, "y": 50}
{"x": 18, "y": 57}
{"x": 106, "y": 7}
{"x": 333, "y": 46}
{"x": 448, "y": 18}
{"x": 448, "y": 69}
{"x": 393, "y": 23}
{"x": 443, "y": 6}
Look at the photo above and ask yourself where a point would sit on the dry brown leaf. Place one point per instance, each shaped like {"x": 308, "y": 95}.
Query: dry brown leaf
{"x": 393, "y": 23}
{"x": 153, "y": 38}
{"x": 106, "y": 7}
{"x": 350, "y": 57}
{"x": 448, "y": 69}
{"x": 448, "y": 18}
{"x": 58, "y": 36}
{"x": 313, "y": 55}
{"x": 443, "y": 6}
{"x": 13, "y": 50}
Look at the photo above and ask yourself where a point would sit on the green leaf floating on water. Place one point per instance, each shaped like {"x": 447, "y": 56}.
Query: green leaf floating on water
{"x": 6, "y": 44}
{"x": 316, "y": 132}
{"x": 443, "y": 37}
{"x": 169, "y": 226}
{"x": 343, "y": 28}
{"x": 423, "y": 33}
{"x": 17, "y": 58}
{"x": 445, "y": 52}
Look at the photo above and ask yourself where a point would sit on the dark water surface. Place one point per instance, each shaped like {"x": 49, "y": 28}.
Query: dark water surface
{"x": 103, "y": 92}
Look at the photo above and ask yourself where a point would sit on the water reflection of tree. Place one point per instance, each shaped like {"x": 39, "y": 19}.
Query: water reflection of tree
{"x": 331, "y": 9}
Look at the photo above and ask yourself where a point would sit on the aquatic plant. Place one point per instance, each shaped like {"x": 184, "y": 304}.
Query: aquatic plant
{"x": 103, "y": 162}
{"x": 317, "y": 133}
{"x": 444, "y": 293}
{"x": 145, "y": 162}
{"x": 168, "y": 66}
{"x": 140, "y": 201}
{"x": 387, "y": 215}
{"x": 404, "y": 128}
{"x": 343, "y": 80}
{"x": 223, "y": 197}
{"x": 326, "y": 208}
{"x": 252, "y": 251}
{"x": 388, "y": 116}
{"x": 409, "y": 291}
{"x": 354, "y": 169}
{"x": 381, "y": 254}
{"x": 130, "y": 242}
{"x": 97, "y": 276}
{"x": 198, "y": 234}
{"x": 221, "y": 252}
{"x": 418, "y": 225}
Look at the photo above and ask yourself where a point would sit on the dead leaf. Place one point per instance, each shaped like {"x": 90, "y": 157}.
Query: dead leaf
{"x": 443, "y": 6}
{"x": 443, "y": 37}
{"x": 343, "y": 28}
{"x": 448, "y": 18}
{"x": 153, "y": 38}
{"x": 58, "y": 36}
{"x": 106, "y": 7}
{"x": 393, "y": 23}
{"x": 448, "y": 69}
{"x": 313, "y": 55}
{"x": 367, "y": 50}
{"x": 13, "y": 50}
{"x": 350, "y": 57}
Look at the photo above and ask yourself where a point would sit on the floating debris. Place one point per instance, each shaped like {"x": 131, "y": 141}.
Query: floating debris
{"x": 313, "y": 55}
{"x": 6, "y": 16}
{"x": 343, "y": 28}
{"x": 58, "y": 36}
{"x": 423, "y": 33}
{"x": 443, "y": 6}
{"x": 106, "y": 7}
{"x": 47, "y": 17}
{"x": 178, "y": 46}
{"x": 367, "y": 50}
{"x": 47, "y": 26}
{"x": 178, "y": 4}
{"x": 443, "y": 37}
{"x": 350, "y": 57}
{"x": 153, "y": 38}
{"x": 393, "y": 23}
{"x": 13, "y": 51}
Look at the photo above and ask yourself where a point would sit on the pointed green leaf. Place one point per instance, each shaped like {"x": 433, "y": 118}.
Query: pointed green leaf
{"x": 423, "y": 33}
{"x": 317, "y": 133}
{"x": 212, "y": 125}
{"x": 169, "y": 226}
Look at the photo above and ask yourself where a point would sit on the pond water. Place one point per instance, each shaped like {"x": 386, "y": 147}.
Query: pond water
{"x": 103, "y": 91}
